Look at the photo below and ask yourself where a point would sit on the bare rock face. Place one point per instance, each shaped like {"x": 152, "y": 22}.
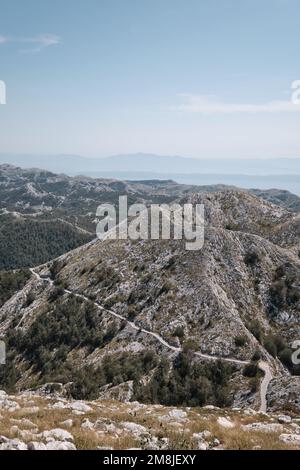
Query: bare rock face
{"x": 53, "y": 389}
{"x": 122, "y": 392}
{"x": 284, "y": 393}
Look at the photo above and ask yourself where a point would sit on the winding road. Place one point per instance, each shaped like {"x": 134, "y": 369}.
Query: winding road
{"x": 263, "y": 365}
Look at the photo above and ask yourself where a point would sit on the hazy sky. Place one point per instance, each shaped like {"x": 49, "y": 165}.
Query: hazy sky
{"x": 202, "y": 78}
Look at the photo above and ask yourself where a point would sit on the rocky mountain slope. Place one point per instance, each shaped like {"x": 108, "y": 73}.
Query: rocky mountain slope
{"x": 280, "y": 197}
{"x": 151, "y": 321}
{"x": 44, "y": 215}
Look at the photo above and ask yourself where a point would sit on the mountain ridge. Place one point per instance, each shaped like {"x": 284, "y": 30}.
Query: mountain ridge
{"x": 235, "y": 298}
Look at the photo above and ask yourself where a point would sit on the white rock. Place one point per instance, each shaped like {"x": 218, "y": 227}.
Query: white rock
{"x": 216, "y": 442}
{"x": 284, "y": 419}
{"x": 9, "y": 405}
{"x": 80, "y": 406}
{"x": 111, "y": 428}
{"x": 202, "y": 436}
{"x": 34, "y": 445}
{"x": 57, "y": 434}
{"x": 68, "y": 423}
{"x": 199, "y": 438}
{"x": 225, "y": 422}
{"x": 58, "y": 445}
{"x": 134, "y": 427}
{"x": 263, "y": 427}
{"x": 87, "y": 424}
{"x": 178, "y": 414}
{"x": 13, "y": 444}
{"x": 295, "y": 427}
{"x": 202, "y": 446}
{"x": 290, "y": 438}
{"x": 58, "y": 405}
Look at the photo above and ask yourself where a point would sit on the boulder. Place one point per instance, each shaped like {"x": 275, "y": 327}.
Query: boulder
{"x": 284, "y": 419}
{"x": 87, "y": 424}
{"x": 225, "y": 422}
{"x": 290, "y": 438}
{"x": 13, "y": 444}
{"x": 56, "y": 434}
{"x": 284, "y": 391}
{"x": 263, "y": 427}
{"x": 79, "y": 406}
{"x": 34, "y": 445}
{"x": 58, "y": 445}
{"x": 134, "y": 428}
{"x": 68, "y": 423}
{"x": 178, "y": 414}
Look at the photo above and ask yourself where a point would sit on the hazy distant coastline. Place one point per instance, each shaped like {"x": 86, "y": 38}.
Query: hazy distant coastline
{"x": 281, "y": 173}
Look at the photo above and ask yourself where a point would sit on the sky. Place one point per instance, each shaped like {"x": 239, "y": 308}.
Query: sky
{"x": 198, "y": 78}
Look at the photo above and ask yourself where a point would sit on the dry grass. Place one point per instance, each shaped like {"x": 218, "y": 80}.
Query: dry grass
{"x": 155, "y": 419}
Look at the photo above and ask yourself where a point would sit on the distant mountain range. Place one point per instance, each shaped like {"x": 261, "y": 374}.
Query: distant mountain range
{"x": 43, "y": 215}
{"x": 282, "y": 173}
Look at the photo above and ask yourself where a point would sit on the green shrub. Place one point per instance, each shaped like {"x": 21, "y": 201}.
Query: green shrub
{"x": 285, "y": 356}
{"x": 240, "y": 341}
{"x": 179, "y": 332}
{"x": 256, "y": 355}
{"x": 250, "y": 370}
{"x": 251, "y": 258}
{"x": 270, "y": 346}
{"x": 256, "y": 330}
{"x": 29, "y": 299}
{"x": 187, "y": 383}
{"x": 11, "y": 282}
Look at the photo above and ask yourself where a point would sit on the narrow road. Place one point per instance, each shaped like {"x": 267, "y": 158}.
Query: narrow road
{"x": 264, "y": 366}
